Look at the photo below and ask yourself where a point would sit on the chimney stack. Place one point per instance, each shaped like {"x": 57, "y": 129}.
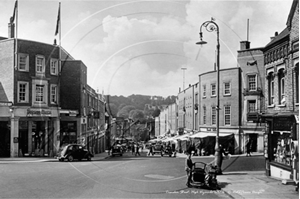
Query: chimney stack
{"x": 244, "y": 45}
{"x": 11, "y": 30}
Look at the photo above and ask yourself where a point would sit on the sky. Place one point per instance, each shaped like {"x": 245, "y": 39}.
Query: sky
{"x": 147, "y": 47}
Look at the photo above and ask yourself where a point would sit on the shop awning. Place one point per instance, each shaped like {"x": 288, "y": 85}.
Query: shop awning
{"x": 209, "y": 134}
{"x": 183, "y": 137}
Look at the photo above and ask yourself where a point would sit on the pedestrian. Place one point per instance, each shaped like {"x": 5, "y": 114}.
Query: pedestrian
{"x": 132, "y": 148}
{"x": 188, "y": 168}
{"x": 137, "y": 147}
{"x": 248, "y": 147}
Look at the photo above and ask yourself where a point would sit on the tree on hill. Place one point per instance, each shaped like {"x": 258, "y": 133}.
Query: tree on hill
{"x": 124, "y": 112}
{"x": 136, "y": 115}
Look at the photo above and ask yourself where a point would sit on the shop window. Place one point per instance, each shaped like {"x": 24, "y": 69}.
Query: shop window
{"x": 281, "y": 149}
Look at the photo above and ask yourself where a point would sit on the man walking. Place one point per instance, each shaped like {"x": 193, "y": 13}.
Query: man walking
{"x": 188, "y": 168}
{"x": 137, "y": 147}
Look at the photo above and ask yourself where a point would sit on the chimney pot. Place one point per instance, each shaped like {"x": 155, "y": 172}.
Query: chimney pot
{"x": 11, "y": 30}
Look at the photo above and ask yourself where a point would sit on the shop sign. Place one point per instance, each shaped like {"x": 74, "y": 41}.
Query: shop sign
{"x": 38, "y": 112}
{"x": 16, "y": 139}
{"x": 282, "y": 123}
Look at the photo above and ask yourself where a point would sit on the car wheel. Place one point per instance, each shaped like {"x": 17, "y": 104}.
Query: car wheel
{"x": 89, "y": 158}
{"x": 70, "y": 158}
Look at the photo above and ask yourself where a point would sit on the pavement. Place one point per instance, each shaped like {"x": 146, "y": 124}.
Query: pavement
{"x": 244, "y": 184}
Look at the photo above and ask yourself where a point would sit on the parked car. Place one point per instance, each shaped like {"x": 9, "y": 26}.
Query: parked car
{"x": 157, "y": 148}
{"x": 74, "y": 151}
{"x": 116, "y": 149}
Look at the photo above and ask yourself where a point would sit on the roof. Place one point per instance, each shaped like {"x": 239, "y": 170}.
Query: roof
{"x": 279, "y": 37}
{"x": 291, "y": 14}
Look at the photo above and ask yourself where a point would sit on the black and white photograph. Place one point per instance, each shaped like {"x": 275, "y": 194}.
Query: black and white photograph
{"x": 149, "y": 99}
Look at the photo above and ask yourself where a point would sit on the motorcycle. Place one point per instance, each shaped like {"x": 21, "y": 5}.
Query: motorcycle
{"x": 204, "y": 176}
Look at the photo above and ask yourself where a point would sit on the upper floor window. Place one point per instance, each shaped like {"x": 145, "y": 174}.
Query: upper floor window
{"x": 23, "y": 62}
{"x": 39, "y": 92}
{"x": 281, "y": 96}
{"x": 297, "y": 82}
{"x": 23, "y": 91}
{"x": 227, "y": 88}
{"x": 213, "y": 115}
{"x": 40, "y": 65}
{"x": 213, "y": 90}
{"x": 204, "y": 114}
{"x": 252, "y": 82}
{"x": 271, "y": 89}
{"x": 252, "y": 106}
{"x": 53, "y": 94}
{"x": 227, "y": 114}
{"x": 54, "y": 66}
{"x": 204, "y": 91}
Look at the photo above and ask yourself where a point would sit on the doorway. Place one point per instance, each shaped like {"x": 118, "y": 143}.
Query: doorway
{"x": 38, "y": 138}
{"x": 4, "y": 139}
{"x": 253, "y": 137}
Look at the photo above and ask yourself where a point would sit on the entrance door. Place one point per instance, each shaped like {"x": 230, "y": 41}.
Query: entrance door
{"x": 253, "y": 137}
{"x": 38, "y": 137}
{"x": 4, "y": 139}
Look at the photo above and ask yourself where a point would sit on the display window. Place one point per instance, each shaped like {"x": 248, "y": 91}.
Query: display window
{"x": 281, "y": 148}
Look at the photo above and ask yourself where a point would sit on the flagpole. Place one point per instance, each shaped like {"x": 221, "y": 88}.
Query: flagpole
{"x": 16, "y": 47}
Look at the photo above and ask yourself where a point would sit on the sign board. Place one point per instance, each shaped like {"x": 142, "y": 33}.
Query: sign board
{"x": 2, "y": 103}
{"x": 282, "y": 123}
{"x": 16, "y": 139}
{"x": 38, "y": 112}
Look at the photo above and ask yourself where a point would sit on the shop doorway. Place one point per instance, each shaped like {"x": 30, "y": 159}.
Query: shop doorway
{"x": 4, "y": 139}
{"x": 38, "y": 138}
{"x": 23, "y": 138}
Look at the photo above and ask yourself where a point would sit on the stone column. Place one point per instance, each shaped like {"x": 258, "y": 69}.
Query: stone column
{"x": 30, "y": 137}
{"x": 56, "y": 135}
{"x": 14, "y": 133}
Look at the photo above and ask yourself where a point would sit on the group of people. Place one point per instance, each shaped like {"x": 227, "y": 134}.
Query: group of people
{"x": 135, "y": 147}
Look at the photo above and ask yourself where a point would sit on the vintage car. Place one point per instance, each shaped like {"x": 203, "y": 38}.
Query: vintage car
{"x": 74, "y": 151}
{"x": 117, "y": 149}
{"x": 157, "y": 148}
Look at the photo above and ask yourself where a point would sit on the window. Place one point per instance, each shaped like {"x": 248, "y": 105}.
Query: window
{"x": 227, "y": 88}
{"x": 271, "y": 89}
{"x": 53, "y": 66}
{"x": 297, "y": 82}
{"x": 213, "y": 115}
{"x": 204, "y": 115}
{"x": 53, "y": 95}
{"x": 281, "y": 98}
{"x": 227, "y": 114}
{"x": 40, "y": 65}
{"x": 204, "y": 91}
{"x": 252, "y": 106}
{"x": 213, "y": 89}
{"x": 23, "y": 92}
{"x": 252, "y": 82}
{"x": 23, "y": 62}
{"x": 39, "y": 92}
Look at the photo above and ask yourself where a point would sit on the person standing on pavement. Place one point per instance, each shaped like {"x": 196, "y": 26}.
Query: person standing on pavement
{"x": 132, "y": 148}
{"x": 188, "y": 168}
{"x": 248, "y": 147}
{"x": 137, "y": 147}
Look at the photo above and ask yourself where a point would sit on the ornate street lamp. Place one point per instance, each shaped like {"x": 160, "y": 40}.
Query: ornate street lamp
{"x": 211, "y": 26}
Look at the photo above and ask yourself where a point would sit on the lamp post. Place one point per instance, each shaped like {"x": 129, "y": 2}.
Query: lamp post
{"x": 211, "y": 26}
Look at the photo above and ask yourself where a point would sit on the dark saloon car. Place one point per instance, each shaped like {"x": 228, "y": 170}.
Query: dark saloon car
{"x": 74, "y": 151}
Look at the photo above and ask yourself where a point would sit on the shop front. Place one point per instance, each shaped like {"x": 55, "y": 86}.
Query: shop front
{"x": 279, "y": 139}
{"x": 34, "y": 132}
